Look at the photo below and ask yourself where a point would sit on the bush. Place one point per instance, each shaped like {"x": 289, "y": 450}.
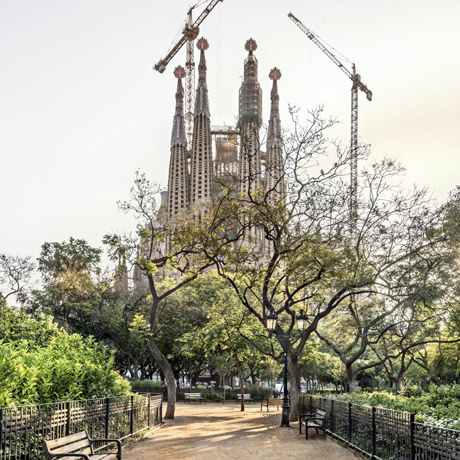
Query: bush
{"x": 148, "y": 386}
{"x": 439, "y": 406}
{"x": 214, "y": 396}
{"x": 412, "y": 391}
{"x": 41, "y": 363}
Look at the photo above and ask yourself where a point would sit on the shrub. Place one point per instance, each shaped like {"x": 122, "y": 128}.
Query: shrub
{"x": 147, "y": 385}
{"x": 41, "y": 363}
{"x": 213, "y": 396}
{"x": 439, "y": 406}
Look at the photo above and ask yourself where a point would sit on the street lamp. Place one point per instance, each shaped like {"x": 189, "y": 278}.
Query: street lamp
{"x": 272, "y": 319}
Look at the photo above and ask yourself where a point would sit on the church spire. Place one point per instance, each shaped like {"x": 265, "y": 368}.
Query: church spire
{"x": 274, "y": 124}
{"x": 275, "y": 186}
{"x": 250, "y": 120}
{"x": 178, "y": 172}
{"x": 202, "y": 98}
{"x": 250, "y": 91}
{"x": 178, "y": 132}
{"x": 201, "y": 157}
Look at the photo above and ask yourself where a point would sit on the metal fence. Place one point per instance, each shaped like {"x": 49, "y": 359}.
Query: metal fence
{"x": 23, "y": 428}
{"x": 384, "y": 434}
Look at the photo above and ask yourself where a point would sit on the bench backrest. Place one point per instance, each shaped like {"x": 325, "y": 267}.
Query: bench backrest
{"x": 321, "y": 416}
{"x": 320, "y": 413}
{"x": 245, "y": 396}
{"x": 78, "y": 442}
{"x": 193, "y": 395}
{"x": 275, "y": 401}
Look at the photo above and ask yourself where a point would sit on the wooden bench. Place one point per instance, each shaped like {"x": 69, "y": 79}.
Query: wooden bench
{"x": 195, "y": 397}
{"x": 316, "y": 421}
{"x": 271, "y": 402}
{"x": 247, "y": 397}
{"x": 79, "y": 445}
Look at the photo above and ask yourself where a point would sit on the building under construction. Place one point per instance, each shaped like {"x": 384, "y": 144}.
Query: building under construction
{"x": 219, "y": 154}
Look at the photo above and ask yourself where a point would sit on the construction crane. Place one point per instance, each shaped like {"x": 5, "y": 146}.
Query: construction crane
{"x": 357, "y": 84}
{"x": 189, "y": 34}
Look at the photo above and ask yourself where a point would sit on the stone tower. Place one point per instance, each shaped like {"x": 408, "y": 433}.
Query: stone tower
{"x": 201, "y": 158}
{"x": 274, "y": 168}
{"x": 178, "y": 193}
{"x": 250, "y": 120}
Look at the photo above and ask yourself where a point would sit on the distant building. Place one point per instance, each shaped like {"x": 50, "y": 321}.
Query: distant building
{"x": 195, "y": 177}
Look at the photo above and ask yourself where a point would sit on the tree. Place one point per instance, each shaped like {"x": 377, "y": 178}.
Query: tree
{"x": 85, "y": 298}
{"x": 15, "y": 276}
{"x": 70, "y": 290}
{"x": 310, "y": 258}
{"x": 39, "y": 363}
{"x": 170, "y": 257}
{"x": 226, "y": 333}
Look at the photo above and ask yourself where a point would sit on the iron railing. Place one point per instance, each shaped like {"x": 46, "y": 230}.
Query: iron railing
{"x": 384, "y": 434}
{"x": 23, "y": 428}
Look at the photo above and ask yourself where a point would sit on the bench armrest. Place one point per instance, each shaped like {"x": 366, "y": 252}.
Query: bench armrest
{"x": 315, "y": 418}
{"x": 117, "y": 441}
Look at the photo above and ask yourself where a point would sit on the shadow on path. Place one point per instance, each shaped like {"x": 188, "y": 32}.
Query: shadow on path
{"x": 214, "y": 431}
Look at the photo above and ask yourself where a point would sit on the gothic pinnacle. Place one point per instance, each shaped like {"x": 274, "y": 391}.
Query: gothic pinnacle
{"x": 275, "y": 75}
{"x": 201, "y": 100}
{"x": 274, "y": 124}
{"x": 251, "y": 45}
{"x": 178, "y": 132}
{"x": 179, "y": 72}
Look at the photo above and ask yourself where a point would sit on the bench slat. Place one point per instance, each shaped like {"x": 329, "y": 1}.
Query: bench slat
{"x": 103, "y": 457}
{"x": 66, "y": 440}
{"x": 78, "y": 446}
{"x": 72, "y": 458}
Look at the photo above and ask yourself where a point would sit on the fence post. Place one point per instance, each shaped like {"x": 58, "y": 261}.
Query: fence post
{"x": 1, "y": 434}
{"x": 374, "y": 435}
{"x": 107, "y": 417}
{"x": 349, "y": 422}
{"x": 67, "y": 425}
{"x": 148, "y": 411}
{"x": 131, "y": 416}
{"x": 332, "y": 416}
{"x": 161, "y": 410}
{"x": 412, "y": 437}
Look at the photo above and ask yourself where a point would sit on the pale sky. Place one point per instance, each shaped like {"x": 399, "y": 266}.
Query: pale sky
{"x": 81, "y": 108}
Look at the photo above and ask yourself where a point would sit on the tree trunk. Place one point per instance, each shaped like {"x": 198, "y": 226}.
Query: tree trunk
{"x": 240, "y": 376}
{"x": 168, "y": 373}
{"x": 351, "y": 379}
{"x": 294, "y": 371}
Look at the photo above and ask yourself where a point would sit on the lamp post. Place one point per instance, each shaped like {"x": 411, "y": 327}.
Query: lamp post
{"x": 272, "y": 319}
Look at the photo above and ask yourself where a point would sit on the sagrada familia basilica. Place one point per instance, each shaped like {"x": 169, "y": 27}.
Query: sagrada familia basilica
{"x": 195, "y": 177}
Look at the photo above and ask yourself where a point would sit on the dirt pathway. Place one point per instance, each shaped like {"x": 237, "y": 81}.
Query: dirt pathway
{"x": 217, "y": 431}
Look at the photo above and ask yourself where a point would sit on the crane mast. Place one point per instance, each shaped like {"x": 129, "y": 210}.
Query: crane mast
{"x": 357, "y": 84}
{"x": 189, "y": 34}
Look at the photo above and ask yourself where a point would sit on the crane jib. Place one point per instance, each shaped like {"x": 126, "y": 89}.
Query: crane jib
{"x": 161, "y": 66}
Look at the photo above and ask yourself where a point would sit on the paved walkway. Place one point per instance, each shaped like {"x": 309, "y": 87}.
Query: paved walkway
{"x": 217, "y": 431}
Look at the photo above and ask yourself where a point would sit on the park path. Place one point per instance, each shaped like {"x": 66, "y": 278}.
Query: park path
{"x": 217, "y": 431}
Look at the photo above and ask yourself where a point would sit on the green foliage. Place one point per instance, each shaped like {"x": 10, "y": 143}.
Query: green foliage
{"x": 439, "y": 406}
{"x": 75, "y": 255}
{"x": 41, "y": 363}
{"x": 146, "y": 385}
